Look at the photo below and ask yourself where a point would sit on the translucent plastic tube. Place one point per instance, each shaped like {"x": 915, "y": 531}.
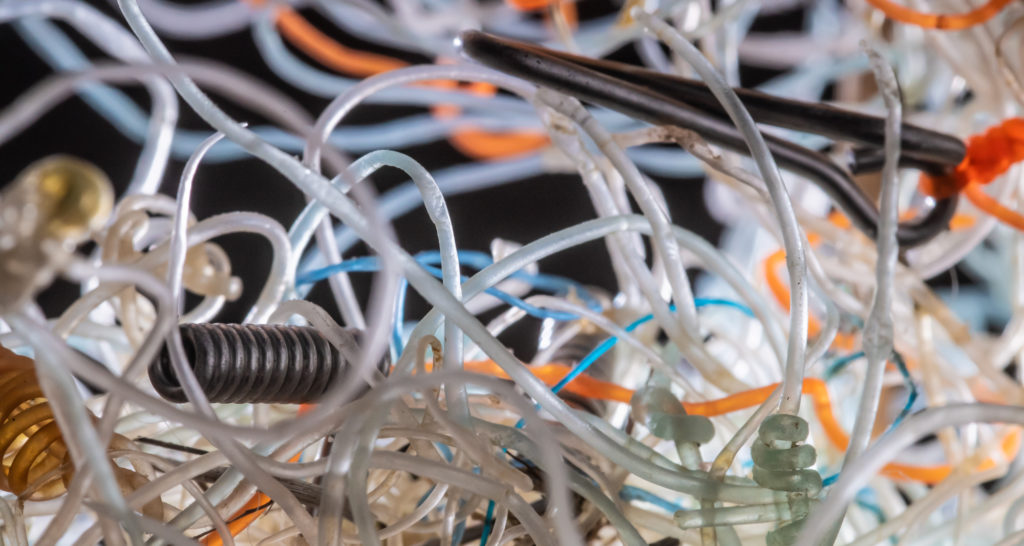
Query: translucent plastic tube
{"x": 179, "y": 359}
{"x": 336, "y": 111}
{"x": 239, "y": 455}
{"x": 179, "y": 238}
{"x": 533, "y": 252}
{"x": 608, "y": 326}
{"x": 438, "y": 213}
{"x": 125, "y": 115}
{"x": 878, "y": 328}
{"x": 344, "y": 103}
{"x": 46, "y": 95}
{"x": 738, "y": 515}
{"x": 233, "y": 222}
{"x": 792, "y": 241}
{"x": 468, "y": 481}
{"x": 422, "y": 450}
{"x": 14, "y": 530}
{"x": 320, "y": 466}
{"x": 370, "y": 21}
{"x": 912, "y": 429}
{"x": 143, "y": 356}
{"x": 452, "y": 181}
{"x": 978, "y": 515}
{"x": 136, "y": 499}
{"x": 578, "y": 483}
{"x": 318, "y": 83}
{"x": 195, "y": 22}
{"x": 683, "y": 329}
{"x": 549, "y": 458}
{"x": 956, "y": 484}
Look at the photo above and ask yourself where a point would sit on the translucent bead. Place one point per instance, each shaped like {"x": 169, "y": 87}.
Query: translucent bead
{"x": 661, "y": 412}
{"x": 782, "y": 427}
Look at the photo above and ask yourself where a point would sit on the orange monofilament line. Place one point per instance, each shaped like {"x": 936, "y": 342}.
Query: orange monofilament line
{"x": 485, "y": 145}
{"x": 479, "y": 144}
{"x": 327, "y": 51}
{"x": 942, "y": 21}
{"x": 986, "y": 203}
{"x": 814, "y": 388}
{"x": 529, "y": 5}
{"x": 471, "y": 142}
{"x": 780, "y": 290}
{"x": 242, "y": 519}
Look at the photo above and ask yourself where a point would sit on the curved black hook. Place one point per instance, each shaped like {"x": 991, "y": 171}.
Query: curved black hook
{"x": 661, "y": 99}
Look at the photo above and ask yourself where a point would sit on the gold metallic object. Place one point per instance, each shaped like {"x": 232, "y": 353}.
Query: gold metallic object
{"x": 55, "y": 204}
{"x": 75, "y": 197}
{"x": 34, "y": 461}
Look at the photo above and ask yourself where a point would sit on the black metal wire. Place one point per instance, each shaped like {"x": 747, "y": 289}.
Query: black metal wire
{"x": 661, "y": 99}
{"x": 921, "y": 148}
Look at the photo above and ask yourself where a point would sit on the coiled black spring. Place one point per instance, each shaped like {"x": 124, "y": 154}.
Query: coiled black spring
{"x": 236, "y": 363}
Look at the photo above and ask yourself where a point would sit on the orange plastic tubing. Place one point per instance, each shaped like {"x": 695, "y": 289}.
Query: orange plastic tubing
{"x": 944, "y": 21}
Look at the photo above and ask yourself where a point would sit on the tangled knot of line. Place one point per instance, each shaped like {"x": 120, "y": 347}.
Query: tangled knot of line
{"x": 989, "y": 155}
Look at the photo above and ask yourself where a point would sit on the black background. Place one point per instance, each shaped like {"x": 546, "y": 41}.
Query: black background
{"x": 521, "y": 211}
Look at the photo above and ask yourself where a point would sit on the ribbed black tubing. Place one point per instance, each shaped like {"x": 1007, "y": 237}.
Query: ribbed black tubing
{"x": 254, "y": 363}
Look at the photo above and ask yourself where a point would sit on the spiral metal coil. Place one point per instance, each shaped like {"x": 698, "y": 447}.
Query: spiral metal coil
{"x": 250, "y": 363}
{"x": 36, "y": 463}
{"x": 30, "y": 442}
{"x": 782, "y": 463}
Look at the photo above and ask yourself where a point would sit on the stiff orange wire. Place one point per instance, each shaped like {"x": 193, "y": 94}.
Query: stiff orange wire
{"x": 940, "y": 21}
{"x": 814, "y": 388}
